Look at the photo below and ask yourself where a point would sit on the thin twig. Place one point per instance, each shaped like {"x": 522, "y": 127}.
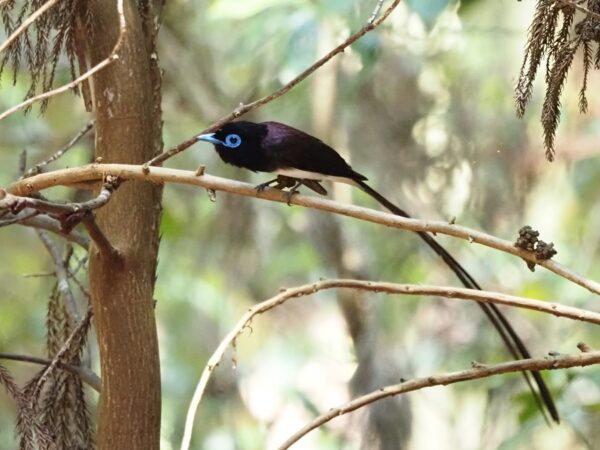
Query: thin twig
{"x": 54, "y": 226}
{"x": 113, "y": 56}
{"x": 98, "y": 172}
{"x": 479, "y": 371}
{"x": 38, "y": 167}
{"x": 376, "y": 11}
{"x": 245, "y": 108}
{"x": 86, "y": 375}
{"x": 22, "y": 163}
{"x": 82, "y": 325}
{"x": 16, "y": 203}
{"x": 81, "y": 287}
{"x": 37, "y": 13}
{"x": 104, "y": 246}
{"x": 81, "y": 263}
{"x": 20, "y": 217}
{"x": 69, "y": 214}
{"x": 39, "y": 274}
{"x": 62, "y": 277}
{"x": 377, "y": 287}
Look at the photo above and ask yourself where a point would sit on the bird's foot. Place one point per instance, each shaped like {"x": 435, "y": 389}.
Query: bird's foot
{"x": 281, "y": 182}
{"x": 289, "y": 195}
{"x": 292, "y": 191}
{"x": 262, "y": 186}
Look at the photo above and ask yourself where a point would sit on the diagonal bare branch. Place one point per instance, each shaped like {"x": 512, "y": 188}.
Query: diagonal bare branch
{"x": 61, "y": 272}
{"x": 86, "y": 374}
{"x": 75, "y": 339}
{"x": 370, "y": 286}
{"x": 113, "y": 56}
{"x": 48, "y": 223}
{"x": 97, "y": 172}
{"x": 376, "y": 11}
{"x": 242, "y": 109}
{"x": 26, "y": 23}
{"x": 38, "y": 167}
{"x": 16, "y": 204}
{"x": 479, "y": 371}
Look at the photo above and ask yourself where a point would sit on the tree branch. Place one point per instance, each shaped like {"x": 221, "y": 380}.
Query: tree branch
{"x": 52, "y": 225}
{"x": 68, "y": 214}
{"x": 76, "y": 335}
{"x": 97, "y": 172}
{"x": 377, "y": 287}
{"x": 38, "y": 167}
{"x": 376, "y": 11}
{"x": 86, "y": 375}
{"x": 242, "y": 109}
{"x": 113, "y": 56}
{"x": 16, "y": 218}
{"x": 99, "y": 238}
{"x": 62, "y": 277}
{"x": 16, "y": 203}
{"x": 38, "y": 12}
{"x": 479, "y": 371}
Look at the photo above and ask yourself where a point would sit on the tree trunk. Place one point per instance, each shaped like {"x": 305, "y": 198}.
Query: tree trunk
{"x": 128, "y": 130}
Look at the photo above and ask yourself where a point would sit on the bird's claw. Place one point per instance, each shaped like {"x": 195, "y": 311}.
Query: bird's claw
{"x": 292, "y": 191}
{"x": 289, "y": 195}
{"x": 282, "y": 182}
{"x": 262, "y": 186}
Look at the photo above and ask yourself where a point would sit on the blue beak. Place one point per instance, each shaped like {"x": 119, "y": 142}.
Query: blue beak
{"x": 209, "y": 137}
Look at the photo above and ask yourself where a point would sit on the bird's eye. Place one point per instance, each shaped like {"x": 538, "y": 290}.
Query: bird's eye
{"x": 233, "y": 140}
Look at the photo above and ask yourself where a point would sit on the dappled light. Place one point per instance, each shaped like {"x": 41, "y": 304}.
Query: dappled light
{"x": 173, "y": 280}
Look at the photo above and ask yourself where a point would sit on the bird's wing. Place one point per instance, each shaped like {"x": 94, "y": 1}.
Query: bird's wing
{"x": 295, "y": 149}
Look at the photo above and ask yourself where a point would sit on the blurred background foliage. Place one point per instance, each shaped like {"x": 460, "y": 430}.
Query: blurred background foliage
{"x": 424, "y": 108}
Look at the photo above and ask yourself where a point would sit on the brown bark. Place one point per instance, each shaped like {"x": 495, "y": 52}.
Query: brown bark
{"x": 128, "y": 130}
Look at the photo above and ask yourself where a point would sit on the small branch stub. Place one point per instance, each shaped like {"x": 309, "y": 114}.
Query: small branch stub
{"x": 212, "y": 195}
{"x": 584, "y": 347}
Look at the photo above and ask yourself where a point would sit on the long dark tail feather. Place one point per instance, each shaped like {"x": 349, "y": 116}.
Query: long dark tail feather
{"x": 511, "y": 339}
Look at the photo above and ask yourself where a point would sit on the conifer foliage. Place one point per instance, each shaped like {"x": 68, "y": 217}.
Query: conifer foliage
{"x": 556, "y": 35}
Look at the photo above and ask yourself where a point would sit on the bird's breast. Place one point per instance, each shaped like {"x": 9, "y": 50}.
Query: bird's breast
{"x": 251, "y": 160}
{"x": 307, "y": 175}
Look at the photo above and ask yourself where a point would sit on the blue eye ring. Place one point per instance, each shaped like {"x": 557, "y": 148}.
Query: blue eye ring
{"x": 233, "y": 140}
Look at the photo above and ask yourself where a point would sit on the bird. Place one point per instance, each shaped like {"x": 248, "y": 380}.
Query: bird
{"x": 298, "y": 158}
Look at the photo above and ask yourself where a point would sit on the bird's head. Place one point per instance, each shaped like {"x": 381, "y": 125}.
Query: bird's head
{"x": 236, "y": 136}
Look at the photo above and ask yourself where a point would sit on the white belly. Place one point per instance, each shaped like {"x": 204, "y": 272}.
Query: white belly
{"x": 303, "y": 174}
